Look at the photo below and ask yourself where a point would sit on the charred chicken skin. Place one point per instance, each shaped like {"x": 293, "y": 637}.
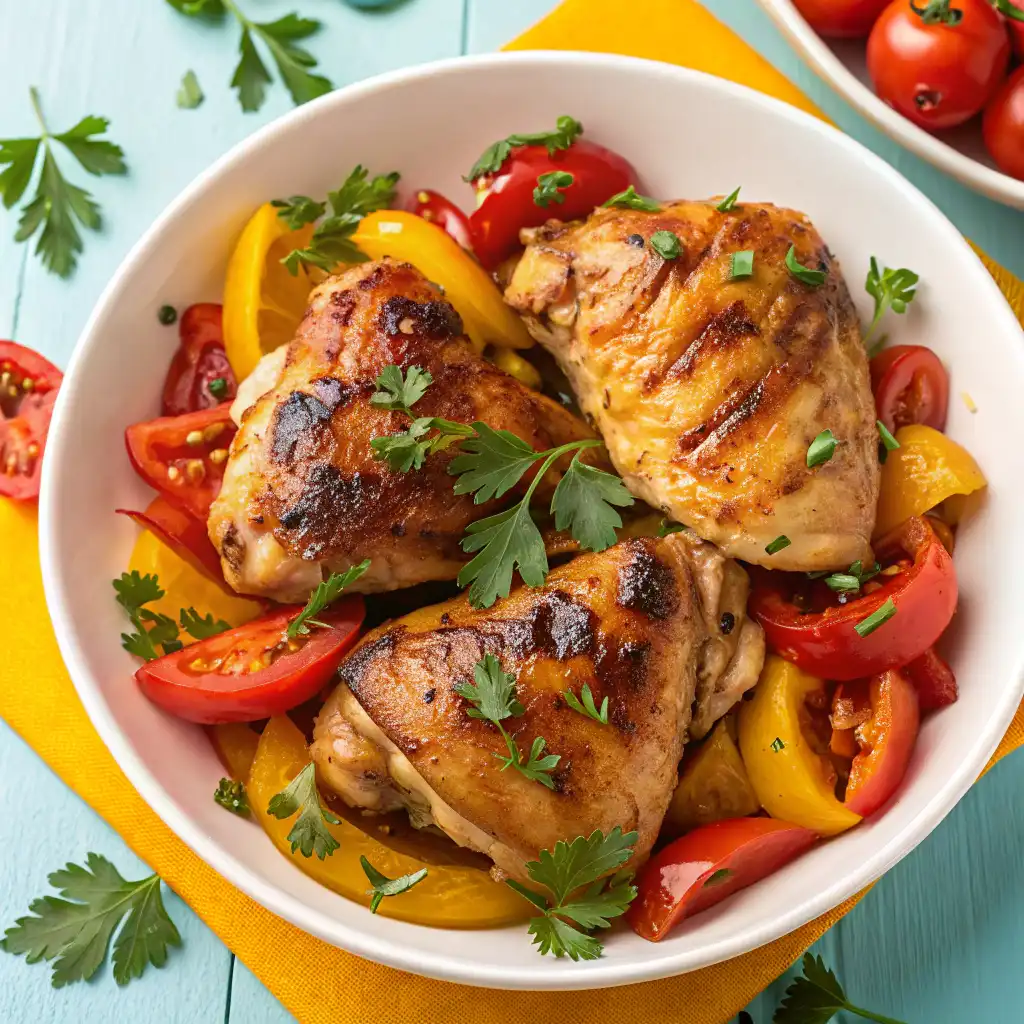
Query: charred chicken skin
{"x": 709, "y": 387}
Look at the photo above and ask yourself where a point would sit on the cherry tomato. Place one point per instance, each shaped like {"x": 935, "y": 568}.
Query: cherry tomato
{"x": 933, "y": 679}
{"x": 183, "y": 456}
{"x": 1003, "y": 125}
{"x": 254, "y": 671}
{"x": 911, "y": 386}
{"x": 938, "y": 63}
{"x": 886, "y": 741}
{"x": 28, "y": 389}
{"x": 823, "y": 641}
{"x": 708, "y": 864}
{"x": 841, "y": 19}
{"x": 444, "y": 213}
{"x": 506, "y": 203}
{"x": 199, "y": 361}
{"x": 184, "y": 534}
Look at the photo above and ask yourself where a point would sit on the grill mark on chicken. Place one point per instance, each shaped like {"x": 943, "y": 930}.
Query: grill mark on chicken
{"x": 232, "y": 548}
{"x": 300, "y": 419}
{"x": 647, "y": 585}
{"x": 355, "y": 667}
{"x": 436, "y": 319}
{"x": 725, "y": 328}
{"x": 343, "y": 305}
{"x": 562, "y": 627}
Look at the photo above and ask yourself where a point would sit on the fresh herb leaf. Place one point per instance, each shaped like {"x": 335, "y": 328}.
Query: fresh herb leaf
{"x": 568, "y": 868}
{"x": 251, "y": 76}
{"x": 58, "y": 207}
{"x": 891, "y": 289}
{"x": 890, "y": 442}
{"x": 583, "y": 504}
{"x": 567, "y": 131}
{"x": 854, "y": 579}
{"x": 821, "y": 449}
{"x": 809, "y": 276}
{"x": 667, "y": 527}
{"x": 325, "y": 593}
{"x": 218, "y": 387}
{"x": 778, "y": 745}
{"x": 537, "y": 767}
{"x": 211, "y": 10}
{"x": 384, "y": 886}
{"x": 548, "y": 188}
{"x": 398, "y": 391}
{"x": 298, "y": 211}
{"x": 167, "y": 316}
{"x": 666, "y": 244}
{"x": 876, "y": 618}
{"x": 190, "y": 94}
{"x": 134, "y": 591}
{"x": 780, "y": 542}
{"x": 632, "y": 200}
{"x": 817, "y": 997}
{"x": 717, "y": 878}
{"x": 201, "y": 627}
{"x": 76, "y": 929}
{"x": 231, "y": 796}
{"x": 491, "y": 463}
{"x": 729, "y": 202}
{"x": 585, "y": 705}
{"x": 742, "y": 264}
{"x": 310, "y": 833}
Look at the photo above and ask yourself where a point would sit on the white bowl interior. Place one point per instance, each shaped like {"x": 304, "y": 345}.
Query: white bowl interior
{"x": 702, "y": 136}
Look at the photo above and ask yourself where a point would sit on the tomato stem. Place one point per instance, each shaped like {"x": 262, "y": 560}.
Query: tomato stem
{"x": 938, "y": 12}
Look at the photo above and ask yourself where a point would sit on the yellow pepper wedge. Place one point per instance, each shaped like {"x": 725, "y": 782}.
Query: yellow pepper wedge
{"x": 236, "y": 744}
{"x": 468, "y": 287}
{"x": 791, "y": 780}
{"x": 926, "y": 469}
{"x": 449, "y": 897}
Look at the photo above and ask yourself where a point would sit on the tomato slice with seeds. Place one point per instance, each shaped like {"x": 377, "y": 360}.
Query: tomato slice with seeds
{"x": 28, "y": 389}
{"x": 183, "y": 456}
{"x": 254, "y": 671}
{"x": 443, "y": 213}
{"x": 911, "y": 386}
{"x": 199, "y": 363}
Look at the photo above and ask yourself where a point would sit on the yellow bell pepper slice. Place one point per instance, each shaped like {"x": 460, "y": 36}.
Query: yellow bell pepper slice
{"x": 926, "y": 469}
{"x": 791, "y": 779}
{"x": 236, "y": 744}
{"x": 449, "y": 897}
{"x": 516, "y": 366}
{"x": 468, "y": 287}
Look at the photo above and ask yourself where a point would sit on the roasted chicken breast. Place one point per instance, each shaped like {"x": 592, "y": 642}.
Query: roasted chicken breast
{"x": 303, "y": 495}
{"x": 658, "y": 626}
{"x": 708, "y": 387}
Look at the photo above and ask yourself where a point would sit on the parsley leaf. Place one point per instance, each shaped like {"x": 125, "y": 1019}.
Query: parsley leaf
{"x": 399, "y": 392}
{"x": 780, "y": 542}
{"x": 190, "y": 94}
{"x": 201, "y": 627}
{"x": 548, "y": 185}
{"x": 325, "y": 593}
{"x": 889, "y": 443}
{"x": 891, "y": 289}
{"x": 667, "y": 527}
{"x": 742, "y": 263}
{"x": 491, "y": 463}
{"x": 582, "y": 503}
{"x": 821, "y": 449}
{"x": 57, "y": 207}
{"x": 231, "y": 796}
{"x": 729, "y": 201}
{"x": 563, "y": 871}
{"x": 567, "y": 131}
{"x": 310, "y": 833}
{"x": 585, "y": 705}
{"x": 666, "y": 244}
{"x": 632, "y": 200}
{"x": 134, "y": 591}
{"x": 384, "y": 886}
{"x": 817, "y": 997}
{"x": 809, "y": 276}
{"x": 76, "y": 929}
{"x": 877, "y": 618}
{"x": 298, "y": 211}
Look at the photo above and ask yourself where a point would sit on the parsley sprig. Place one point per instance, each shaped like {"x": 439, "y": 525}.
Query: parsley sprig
{"x": 75, "y": 930}
{"x": 325, "y": 593}
{"x": 58, "y": 207}
{"x": 584, "y": 898}
{"x": 891, "y": 289}
{"x": 384, "y": 886}
{"x": 230, "y": 794}
{"x": 332, "y": 243}
{"x": 549, "y": 188}
{"x": 632, "y": 200}
{"x": 280, "y": 38}
{"x": 585, "y": 705}
{"x": 567, "y": 131}
{"x": 310, "y": 833}
{"x": 492, "y": 695}
{"x": 817, "y": 996}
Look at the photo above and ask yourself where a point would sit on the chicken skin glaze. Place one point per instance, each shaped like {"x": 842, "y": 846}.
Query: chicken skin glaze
{"x": 303, "y": 495}
{"x": 658, "y": 626}
{"x": 707, "y": 388}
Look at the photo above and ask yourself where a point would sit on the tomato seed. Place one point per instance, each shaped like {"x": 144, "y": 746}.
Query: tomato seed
{"x": 194, "y": 438}
{"x": 195, "y": 470}
{"x": 218, "y": 455}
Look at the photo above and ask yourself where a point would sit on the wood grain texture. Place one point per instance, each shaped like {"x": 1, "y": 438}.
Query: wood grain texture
{"x": 936, "y": 941}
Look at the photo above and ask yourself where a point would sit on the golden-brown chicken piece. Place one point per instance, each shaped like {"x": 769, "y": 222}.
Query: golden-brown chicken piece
{"x": 658, "y": 627}
{"x": 303, "y": 495}
{"x": 708, "y": 388}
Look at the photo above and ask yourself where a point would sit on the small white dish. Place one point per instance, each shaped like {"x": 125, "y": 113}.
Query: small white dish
{"x": 689, "y": 135}
{"x": 843, "y": 65}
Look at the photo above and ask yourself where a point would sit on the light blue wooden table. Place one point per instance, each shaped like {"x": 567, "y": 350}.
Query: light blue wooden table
{"x": 936, "y": 942}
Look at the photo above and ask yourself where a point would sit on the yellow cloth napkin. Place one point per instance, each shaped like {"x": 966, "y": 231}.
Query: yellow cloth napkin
{"x": 316, "y": 982}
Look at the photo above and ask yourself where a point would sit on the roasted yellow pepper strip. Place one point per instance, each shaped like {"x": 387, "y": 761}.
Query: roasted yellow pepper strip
{"x": 925, "y": 470}
{"x": 468, "y": 287}
{"x": 791, "y": 780}
{"x": 236, "y": 743}
{"x": 449, "y": 897}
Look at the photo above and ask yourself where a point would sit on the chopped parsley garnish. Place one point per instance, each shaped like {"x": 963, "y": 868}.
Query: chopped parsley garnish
{"x": 889, "y": 443}
{"x": 891, "y": 289}
{"x": 190, "y": 94}
{"x": 585, "y": 705}
{"x": 809, "y": 276}
{"x": 729, "y": 202}
{"x": 717, "y": 878}
{"x": 567, "y": 131}
{"x": 778, "y": 745}
{"x": 549, "y": 186}
{"x": 218, "y": 387}
{"x": 852, "y": 580}
{"x": 231, "y": 796}
{"x": 632, "y": 200}
{"x": 666, "y": 244}
{"x": 153, "y": 630}
{"x": 667, "y": 527}
{"x": 310, "y": 833}
{"x": 821, "y": 449}
{"x": 780, "y": 542}
{"x": 325, "y": 593}
{"x": 742, "y": 263}
{"x": 167, "y": 315}
{"x": 876, "y": 619}
{"x": 384, "y": 886}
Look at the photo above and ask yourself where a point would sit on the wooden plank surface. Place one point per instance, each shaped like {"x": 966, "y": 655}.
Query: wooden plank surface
{"x": 935, "y": 942}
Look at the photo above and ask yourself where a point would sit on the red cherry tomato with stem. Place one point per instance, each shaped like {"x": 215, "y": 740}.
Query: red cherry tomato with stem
{"x": 1013, "y": 11}
{"x": 1003, "y": 126}
{"x": 938, "y": 62}
{"x": 199, "y": 362}
{"x": 841, "y": 19}
{"x": 706, "y": 865}
{"x": 911, "y": 386}
{"x": 444, "y": 213}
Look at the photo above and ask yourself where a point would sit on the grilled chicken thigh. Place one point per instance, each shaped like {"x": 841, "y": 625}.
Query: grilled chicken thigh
{"x": 302, "y": 494}
{"x": 658, "y": 627}
{"x": 708, "y": 388}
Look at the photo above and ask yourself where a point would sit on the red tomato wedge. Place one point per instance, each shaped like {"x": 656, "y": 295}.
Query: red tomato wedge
{"x": 442, "y": 212}
{"x": 254, "y": 671}
{"x": 886, "y": 741}
{"x": 708, "y": 864}
{"x": 825, "y": 643}
{"x": 506, "y": 202}
{"x": 911, "y": 386}
{"x": 199, "y": 363}
{"x": 933, "y": 679}
{"x": 183, "y": 456}
{"x": 28, "y": 389}
{"x": 184, "y": 534}
{"x": 841, "y": 19}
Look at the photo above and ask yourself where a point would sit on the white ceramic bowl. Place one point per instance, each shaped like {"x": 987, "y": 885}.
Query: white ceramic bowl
{"x": 690, "y": 135}
{"x": 842, "y": 63}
